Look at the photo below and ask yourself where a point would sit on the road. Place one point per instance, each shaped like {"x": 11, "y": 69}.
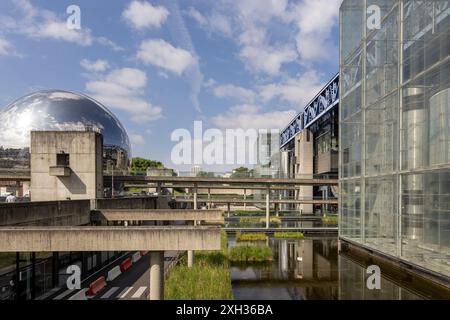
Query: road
{"x": 133, "y": 284}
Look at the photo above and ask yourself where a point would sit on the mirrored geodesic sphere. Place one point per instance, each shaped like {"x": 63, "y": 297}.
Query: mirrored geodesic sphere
{"x": 63, "y": 111}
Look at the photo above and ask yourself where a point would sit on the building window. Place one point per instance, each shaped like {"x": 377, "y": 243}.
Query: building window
{"x": 62, "y": 159}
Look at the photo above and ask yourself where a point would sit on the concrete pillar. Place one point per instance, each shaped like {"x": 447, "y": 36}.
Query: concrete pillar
{"x": 190, "y": 254}
{"x": 245, "y": 198}
{"x": 277, "y": 209}
{"x": 19, "y": 190}
{"x": 209, "y": 199}
{"x": 195, "y": 196}
{"x": 156, "y": 275}
{"x": 228, "y": 209}
{"x": 268, "y": 208}
{"x": 158, "y": 188}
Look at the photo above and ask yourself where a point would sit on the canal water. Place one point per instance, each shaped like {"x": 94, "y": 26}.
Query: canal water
{"x": 309, "y": 269}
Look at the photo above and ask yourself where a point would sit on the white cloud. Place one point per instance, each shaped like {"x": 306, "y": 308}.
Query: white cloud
{"x": 123, "y": 89}
{"x": 232, "y": 91}
{"x": 137, "y": 139}
{"x": 5, "y": 47}
{"x": 108, "y": 43}
{"x": 209, "y": 83}
{"x": 261, "y": 10}
{"x": 214, "y": 22}
{"x": 298, "y": 91}
{"x": 163, "y": 75}
{"x": 37, "y": 23}
{"x": 315, "y": 20}
{"x": 141, "y": 15}
{"x": 252, "y": 117}
{"x": 94, "y": 66}
{"x": 58, "y": 30}
{"x": 259, "y": 54}
{"x": 164, "y": 55}
{"x": 267, "y": 59}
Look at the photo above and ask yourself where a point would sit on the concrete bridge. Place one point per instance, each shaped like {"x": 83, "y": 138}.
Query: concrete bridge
{"x": 160, "y": 215}
{"x": 256, "y": 201}
{"x": 204, "y": 181}
{"x": 110, "y": 238}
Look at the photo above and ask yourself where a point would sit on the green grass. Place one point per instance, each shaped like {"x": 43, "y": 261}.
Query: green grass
{"x": 251, "y": 220}
{"x": 243, "y": 213}
{"x": 290, "y": 235}
{"x": 250, "y": 253}
{"x": 208, "y": 279}
{"x": 248, "y": 236}
{"x": 330, "y": 219}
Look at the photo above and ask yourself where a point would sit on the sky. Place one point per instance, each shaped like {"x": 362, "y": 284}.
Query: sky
{"x": 161, "y": 65}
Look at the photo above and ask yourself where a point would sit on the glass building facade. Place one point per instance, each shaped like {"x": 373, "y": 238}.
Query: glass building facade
{"x": 395, "y": 129}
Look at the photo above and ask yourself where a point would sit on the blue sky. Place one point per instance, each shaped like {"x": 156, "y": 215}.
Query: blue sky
{"x": 160, "y": 65}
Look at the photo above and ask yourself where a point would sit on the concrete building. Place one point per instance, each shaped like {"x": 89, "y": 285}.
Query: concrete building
{"x": 66, "y": 165}
{"x": 309, "y": 146}
{"x": 268, "y": 154}
{"x": 395, "y": 138}
{"x": 160, "y": 172}
{"x": 195, "y": 170}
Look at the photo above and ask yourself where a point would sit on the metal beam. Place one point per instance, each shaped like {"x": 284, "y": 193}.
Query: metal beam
{"x": 205, "y": 187}
{"x": 161, "y": 215}
{"x": 238, "y": 201}
{"x": 210, "y": 180}
{"x": 150, "y": 238}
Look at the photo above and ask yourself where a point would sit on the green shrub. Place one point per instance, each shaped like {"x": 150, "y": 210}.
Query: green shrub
{"x": 256, "y": 220}
{"x": 290, "y": 235}
{"x": 250, "y": 253}
{"x": 330, "y": 219}
{"x": 250, "y": 236}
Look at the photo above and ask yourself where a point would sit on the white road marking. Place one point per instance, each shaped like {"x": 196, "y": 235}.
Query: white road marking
{"x": 109, "y": 293}
{"x": 139, "y": 292}
{"x": 65, "y": 293}
{"x": 125, "y": 292}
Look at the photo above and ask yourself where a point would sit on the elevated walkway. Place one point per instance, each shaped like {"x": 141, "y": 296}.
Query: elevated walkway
{"x": 150, "y": 238}
{"x": 160, "y": 215}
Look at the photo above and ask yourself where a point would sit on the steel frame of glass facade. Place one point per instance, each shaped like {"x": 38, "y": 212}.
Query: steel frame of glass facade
{"x": 394, "y": 158}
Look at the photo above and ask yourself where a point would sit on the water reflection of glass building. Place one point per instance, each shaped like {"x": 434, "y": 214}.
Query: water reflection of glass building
{"x": 395, "y": 130}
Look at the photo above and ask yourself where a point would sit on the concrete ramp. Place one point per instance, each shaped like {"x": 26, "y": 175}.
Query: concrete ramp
{"x": 151, "y": 238}
{"x": 161, "y": 215}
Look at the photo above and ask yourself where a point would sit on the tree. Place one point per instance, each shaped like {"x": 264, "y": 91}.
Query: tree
{"x": 141, "y": 164}
{"x": 205, "y": 174}
{"x": 242, "y": 172}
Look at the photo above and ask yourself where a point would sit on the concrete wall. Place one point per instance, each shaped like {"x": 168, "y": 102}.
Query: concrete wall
{"x": 54, "y": 213}
{"x": 304, "y": 166}
{"x": 130, "y": 203}
{"x": 85, "y": 152}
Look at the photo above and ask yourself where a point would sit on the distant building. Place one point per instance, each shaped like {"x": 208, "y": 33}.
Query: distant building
{"x": 268, "y": 154}
{"x": 160, "y": 172}
{"x": 309, "y": 145}
{"x": 226, "y": 175}
{"x": 195, "y": 170}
